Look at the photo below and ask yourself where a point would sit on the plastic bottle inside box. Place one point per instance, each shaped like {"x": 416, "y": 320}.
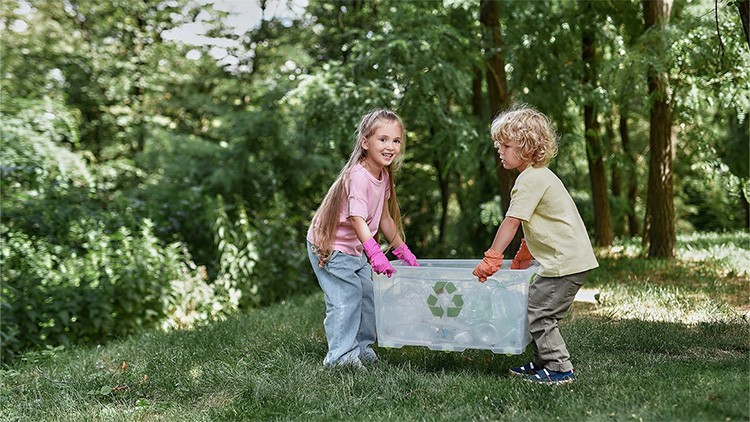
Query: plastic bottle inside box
{"x": 442, "y": 306}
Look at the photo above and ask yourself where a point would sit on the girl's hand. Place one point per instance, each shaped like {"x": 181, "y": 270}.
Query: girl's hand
{"x": 377, "y": 258}
{"x": 489, "y": 265}
{"x": 403, "y": 253}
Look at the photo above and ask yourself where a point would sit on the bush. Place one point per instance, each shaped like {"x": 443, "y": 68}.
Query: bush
{"x": 261, "y": 258}
{"x": 121, "y": 283}
{"x": 78, "y": 264}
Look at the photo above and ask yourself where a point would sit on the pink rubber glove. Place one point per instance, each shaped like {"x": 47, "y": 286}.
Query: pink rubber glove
{"x": 378, "y": 260}
{"x": 403, "y": 253}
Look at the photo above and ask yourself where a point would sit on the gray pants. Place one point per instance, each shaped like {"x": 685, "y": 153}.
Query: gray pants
{"x": 549, "y": 300}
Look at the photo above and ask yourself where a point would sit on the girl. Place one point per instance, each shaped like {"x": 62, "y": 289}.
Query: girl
{"x": 555, "y": 236}
{"x": 352, "y": 212}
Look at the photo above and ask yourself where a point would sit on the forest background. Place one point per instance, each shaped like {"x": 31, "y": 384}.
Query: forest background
{"x": 150, "y": 182}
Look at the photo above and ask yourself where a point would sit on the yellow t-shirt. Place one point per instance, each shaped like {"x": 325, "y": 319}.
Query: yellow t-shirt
{"x": 554, "y": 230}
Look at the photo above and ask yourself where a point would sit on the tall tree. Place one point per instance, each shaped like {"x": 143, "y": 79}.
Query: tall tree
{"x": 634, "y": 226}
{"x": 594, "y": 152}
{"x": 660, "y": 202}
{"x": 499, "y": 99}
{"x": 743, "y": 7}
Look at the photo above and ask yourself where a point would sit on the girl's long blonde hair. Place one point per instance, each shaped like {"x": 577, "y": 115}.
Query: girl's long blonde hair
{"x": 326, "y": 220}
{"x": 537, "y": 141}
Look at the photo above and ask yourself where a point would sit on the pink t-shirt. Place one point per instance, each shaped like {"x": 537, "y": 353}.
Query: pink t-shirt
{"x": 366, "y": 196}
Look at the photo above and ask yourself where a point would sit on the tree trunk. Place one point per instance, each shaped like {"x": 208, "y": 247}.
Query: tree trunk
{"x": 476, "y": 94}
{"x": 444, "y": 199}
{"x": 499, "y": 100}
{"x": 614, "y": 169}
{"x": 743, "y": 7}
{"x": 745, "y": 206}
{"x": 662, "y": 237}
{"x": 479, "y": 233}
{"x": 138, "y": 90}
{"x": 594, "y": 151}
{"x": 744, "y": 188}
{"x": 615, "y": 173}
{"x": 633, "y": 223}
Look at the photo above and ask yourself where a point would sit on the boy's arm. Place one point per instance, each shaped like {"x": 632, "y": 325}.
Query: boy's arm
{"x": 493, "y": 258}
{"x": 505, "y": 233}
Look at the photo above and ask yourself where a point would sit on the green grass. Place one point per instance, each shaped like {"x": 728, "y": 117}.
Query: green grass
{"x": 667, "y": 341}
{"x": 267, "y": 366}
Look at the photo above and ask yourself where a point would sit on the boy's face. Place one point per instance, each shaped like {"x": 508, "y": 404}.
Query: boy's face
{"x": 508, "y": 151}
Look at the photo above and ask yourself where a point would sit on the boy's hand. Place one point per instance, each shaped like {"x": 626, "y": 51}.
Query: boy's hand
{"x": 491, "y": 262}
{"x": 377, "y": 258}
{"x": 403, "y": 253}
{"x": 523, "y": 257}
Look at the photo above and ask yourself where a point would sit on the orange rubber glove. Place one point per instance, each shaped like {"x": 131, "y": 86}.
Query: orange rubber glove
{"x": 489, "y": 265}
{"x": 523, "y": 257}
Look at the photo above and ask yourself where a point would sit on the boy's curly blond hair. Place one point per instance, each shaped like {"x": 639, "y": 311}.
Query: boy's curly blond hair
{"x": 537, "y": 141}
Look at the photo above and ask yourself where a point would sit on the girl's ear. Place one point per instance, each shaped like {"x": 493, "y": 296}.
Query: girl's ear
{"x": 365, "y": 144}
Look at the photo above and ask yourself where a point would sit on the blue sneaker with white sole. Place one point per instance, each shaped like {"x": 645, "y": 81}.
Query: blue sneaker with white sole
{"x": 546, "y": 376}
{"x": 524, "y": 370}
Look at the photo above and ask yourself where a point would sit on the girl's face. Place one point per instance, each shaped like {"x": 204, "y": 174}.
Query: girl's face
{"x": 509, "y": 155}
{"x": 383, "y": 146}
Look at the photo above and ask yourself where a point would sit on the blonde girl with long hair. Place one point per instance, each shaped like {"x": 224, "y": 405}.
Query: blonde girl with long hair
{"x": 341, "y": 241}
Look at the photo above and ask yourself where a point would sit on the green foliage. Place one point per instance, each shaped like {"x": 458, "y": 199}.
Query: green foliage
{"x": 259, "y": 263}
{"x": 100, "y": 58}
{"x": 173, "y": 192}
{"x": 736, "y": 152}
{"x": 237, "y": 255}
{"x": 112, "y": 285}
{"x": 75, "y": 267}
{"x": 543, "y": 44}
{"x": 713, "y": 201}
{"x": 283, "y": 269}
{"x": 33, "y": 134}
{"x": 57, "y": 296}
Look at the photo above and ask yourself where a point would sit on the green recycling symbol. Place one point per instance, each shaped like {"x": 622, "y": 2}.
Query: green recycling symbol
{"x": 453, "y": 302}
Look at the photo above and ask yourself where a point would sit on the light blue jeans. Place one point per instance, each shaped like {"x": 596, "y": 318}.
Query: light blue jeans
{"x": 349, "y": 323}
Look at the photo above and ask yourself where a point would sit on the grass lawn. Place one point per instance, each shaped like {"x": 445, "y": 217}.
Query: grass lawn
{"x": 666, "y": 341}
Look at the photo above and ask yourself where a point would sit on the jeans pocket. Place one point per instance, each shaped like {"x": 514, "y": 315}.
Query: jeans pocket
{"x": 331, "y": 257}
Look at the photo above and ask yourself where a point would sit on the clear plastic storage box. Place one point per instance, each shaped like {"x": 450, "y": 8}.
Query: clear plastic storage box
{"x": 441, "y": 305}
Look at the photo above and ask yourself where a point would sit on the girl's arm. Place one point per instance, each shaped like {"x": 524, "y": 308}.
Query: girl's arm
{"x": 376, "y": 256}
{"x": 360, "y": 228}
{"x": 388, "y": 227}
{"x": 390, "y": 230}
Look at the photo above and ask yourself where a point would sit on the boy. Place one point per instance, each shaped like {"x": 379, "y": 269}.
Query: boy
{"x": 555, "y": 235}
